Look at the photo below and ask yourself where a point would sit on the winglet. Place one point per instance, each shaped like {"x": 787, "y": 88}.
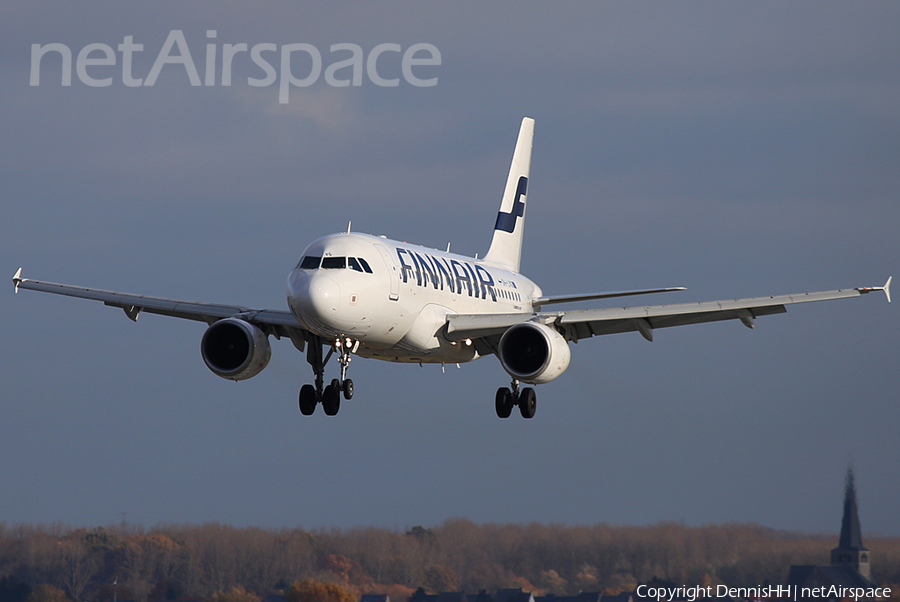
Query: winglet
{"x": 886, "y": 288}
{"x": 17, "y": 278}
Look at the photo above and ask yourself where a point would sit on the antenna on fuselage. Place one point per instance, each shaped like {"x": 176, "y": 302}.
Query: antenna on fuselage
{"x": 448, "y": 247}
{"x": 350, "y": 223}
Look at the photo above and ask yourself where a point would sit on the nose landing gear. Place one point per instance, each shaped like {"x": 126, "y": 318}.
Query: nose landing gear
{"x": 329, "y": 396}
{"x": 345, "y": 347}
{"x": 506, "y": 398}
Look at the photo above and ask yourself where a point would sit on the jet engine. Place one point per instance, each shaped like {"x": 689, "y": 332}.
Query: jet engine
{"x": 235, "y": 349}
{"x": 533, "y": 353}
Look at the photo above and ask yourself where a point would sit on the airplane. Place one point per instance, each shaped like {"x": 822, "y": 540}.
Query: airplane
{"x": 364, "y": 295}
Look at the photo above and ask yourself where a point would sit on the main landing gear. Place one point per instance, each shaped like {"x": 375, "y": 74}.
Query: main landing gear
{"x": 329, "y": 396}
{"x": 526, "y": 399}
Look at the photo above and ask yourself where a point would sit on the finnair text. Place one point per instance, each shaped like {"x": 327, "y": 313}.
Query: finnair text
{"x": 346, "y": 63}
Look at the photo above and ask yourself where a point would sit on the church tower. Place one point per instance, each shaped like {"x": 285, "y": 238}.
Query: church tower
{"x": 850, "y": 551}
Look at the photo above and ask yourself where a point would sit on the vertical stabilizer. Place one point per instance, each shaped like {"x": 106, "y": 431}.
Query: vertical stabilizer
{"x": 506, "y": 246}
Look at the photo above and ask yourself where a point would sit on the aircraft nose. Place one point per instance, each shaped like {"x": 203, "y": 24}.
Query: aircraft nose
{"x": 314, "y": 300}
{"x": 323, "y": 296}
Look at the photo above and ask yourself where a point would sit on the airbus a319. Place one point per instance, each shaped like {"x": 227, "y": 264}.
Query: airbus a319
{"x": 356, "y": 294}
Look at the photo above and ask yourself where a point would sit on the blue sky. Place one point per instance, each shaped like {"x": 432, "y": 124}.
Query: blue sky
{"x": 737, "y": 150}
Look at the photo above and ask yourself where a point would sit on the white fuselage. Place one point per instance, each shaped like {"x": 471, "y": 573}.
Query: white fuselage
{"x": 394, "y": 298}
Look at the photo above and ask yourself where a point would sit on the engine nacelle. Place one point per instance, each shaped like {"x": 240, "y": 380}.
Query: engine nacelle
{"x": 533, "y": 353}
{"x": 235, "y": 349}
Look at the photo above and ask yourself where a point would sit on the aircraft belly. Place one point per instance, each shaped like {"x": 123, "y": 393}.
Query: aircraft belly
{"x": 392, "y": 318}
{"x": 455, "y": 355}
{"x": 424, "y": 334}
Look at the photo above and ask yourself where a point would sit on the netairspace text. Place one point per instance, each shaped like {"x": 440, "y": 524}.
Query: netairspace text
{"x": 347, "y": 63}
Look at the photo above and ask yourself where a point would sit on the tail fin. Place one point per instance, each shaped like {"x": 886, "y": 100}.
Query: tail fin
{"x": 506, "y": 246}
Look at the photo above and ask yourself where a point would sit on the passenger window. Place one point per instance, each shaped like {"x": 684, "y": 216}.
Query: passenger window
{"x": 365, "y": 265}
{"x": 334, "y": 263}
{"x": 309, "y": 263}
{"x": 353, "y": 264}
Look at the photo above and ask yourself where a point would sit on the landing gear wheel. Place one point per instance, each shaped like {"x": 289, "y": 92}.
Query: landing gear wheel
{"x": 331, "y": 399}
{"x": 527, "y": 402}
{"x": 307, "y": 400}
{"x": 348, "y": 389}
{"x": 504, "y": 402}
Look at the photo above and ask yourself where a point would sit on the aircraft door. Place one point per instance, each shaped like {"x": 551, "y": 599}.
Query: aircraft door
{"x": 393, "y": 271}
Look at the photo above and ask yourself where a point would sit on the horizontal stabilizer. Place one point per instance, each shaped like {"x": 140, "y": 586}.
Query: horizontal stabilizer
{"x": 609, "y": 295}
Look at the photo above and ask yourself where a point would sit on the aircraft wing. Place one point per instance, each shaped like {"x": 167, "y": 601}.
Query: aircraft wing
{"x": 275, "y": 322}
{"x": 574, "y": 325}
{"x": 580, "y": 324}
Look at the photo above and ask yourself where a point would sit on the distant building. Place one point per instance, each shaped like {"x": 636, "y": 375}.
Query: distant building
{"x": 585, "y": 597}
{"x": 421, "y": 596}
{"x": 850, "y": 552}
{"x": 623, "y": 597}
{"x": 451, "y": 597}
{"x": 850, "y": 561}
{"x": 513, "y": 595}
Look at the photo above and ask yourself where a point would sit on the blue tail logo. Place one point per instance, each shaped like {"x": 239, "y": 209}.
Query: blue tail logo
{"x": 507, "y": 221}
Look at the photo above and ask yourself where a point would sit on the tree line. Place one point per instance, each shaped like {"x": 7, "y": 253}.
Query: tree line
{"x": 220, "y": 563}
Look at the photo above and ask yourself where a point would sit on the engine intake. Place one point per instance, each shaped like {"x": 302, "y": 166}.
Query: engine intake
{"x": 533, "y": 353}
{"x": 235, "y": 349}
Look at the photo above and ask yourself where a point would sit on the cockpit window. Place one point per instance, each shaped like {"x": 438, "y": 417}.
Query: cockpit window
{"x": 358, "y": 264}
{"x": 309, "y": 263}
{"x": 334, "y": 263}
